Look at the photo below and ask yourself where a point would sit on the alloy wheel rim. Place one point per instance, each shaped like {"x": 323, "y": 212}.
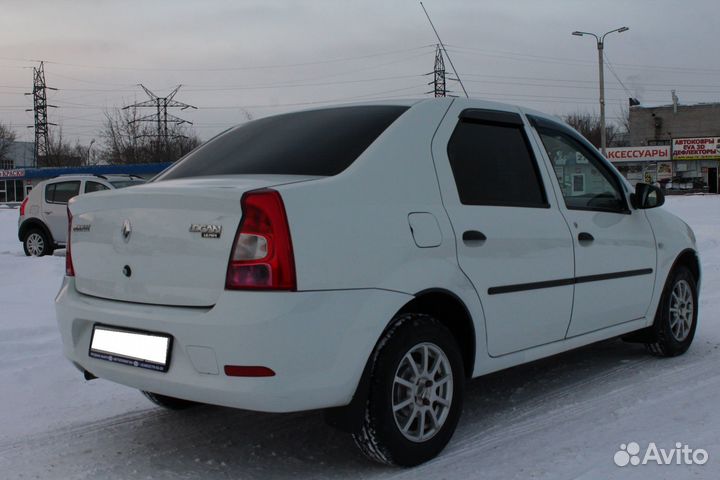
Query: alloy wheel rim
{"x": 682, "y": 309}
{"x": 422, "y": 392}
{"x": 35, "y": 244}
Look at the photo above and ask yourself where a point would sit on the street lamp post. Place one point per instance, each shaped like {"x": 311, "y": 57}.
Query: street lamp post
{"x": 600, "y": 45}
{"x": 87, "y": 160}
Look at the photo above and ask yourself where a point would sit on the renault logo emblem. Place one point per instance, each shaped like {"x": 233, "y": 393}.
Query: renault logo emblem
{"x": 126, "y": 230}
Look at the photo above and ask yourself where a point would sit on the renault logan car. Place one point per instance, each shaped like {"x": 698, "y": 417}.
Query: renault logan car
{"x": 369, "y": 260}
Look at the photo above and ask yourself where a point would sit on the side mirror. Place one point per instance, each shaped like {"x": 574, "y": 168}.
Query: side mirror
{"x": 647, "y": 196}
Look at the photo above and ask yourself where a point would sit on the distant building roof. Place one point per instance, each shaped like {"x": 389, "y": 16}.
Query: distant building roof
{"x": 21, "y": 153}
{"x": 680, "y": 105}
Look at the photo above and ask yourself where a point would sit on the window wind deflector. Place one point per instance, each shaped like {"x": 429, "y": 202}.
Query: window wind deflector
{"x": 540, "y": 122}
{"x": 491, "y": 116}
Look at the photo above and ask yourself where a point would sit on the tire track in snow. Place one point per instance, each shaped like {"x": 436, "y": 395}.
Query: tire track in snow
{"x": 207, "y": 439}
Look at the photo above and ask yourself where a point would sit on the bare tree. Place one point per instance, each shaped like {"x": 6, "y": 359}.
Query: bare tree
{"x": 62, "y": 153}
{"x": 625, "y": 119}
{"x": 126, "y": 140}
{"x": 622, "y": 139}
{"x": 589, "y": 126}
{"x": 7, "y": 137}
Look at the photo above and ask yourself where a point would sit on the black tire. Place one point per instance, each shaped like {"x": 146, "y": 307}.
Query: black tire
{"x": 36, "y": 243}
{"x": 171, "y": 403}
{"x": 664, "y": 340}
{"x": 380, "y": 437}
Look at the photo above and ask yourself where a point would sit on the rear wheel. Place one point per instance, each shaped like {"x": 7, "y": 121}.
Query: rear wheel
{"x": 170, "y": 403}
{"x": 416, "y": 393}
{"x": 36, "y": 243}
{"x": 676, "y": 318}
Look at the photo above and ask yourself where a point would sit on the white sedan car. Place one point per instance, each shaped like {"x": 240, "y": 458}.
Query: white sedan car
{"x": 369, "y": 260}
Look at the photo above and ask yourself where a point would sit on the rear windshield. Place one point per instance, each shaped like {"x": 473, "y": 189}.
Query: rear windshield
{"x": 319, "y": 142}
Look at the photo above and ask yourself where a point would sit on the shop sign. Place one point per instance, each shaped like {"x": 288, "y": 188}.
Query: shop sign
{"x": 639, "y": 154}
{"x": 700, "y": 148}
{"x": 16, "y": 173}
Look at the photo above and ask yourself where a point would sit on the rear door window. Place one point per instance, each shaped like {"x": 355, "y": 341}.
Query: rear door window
{"x": 319, "y": 143}
{"x": 493, "y": 164}
{"x": 50, "y": 193}
{"x": 61, "y": 192}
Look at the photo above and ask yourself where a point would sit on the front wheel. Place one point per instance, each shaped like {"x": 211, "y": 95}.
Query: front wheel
{"x": 416, "y": 393}
{"x": 676, "y": 318}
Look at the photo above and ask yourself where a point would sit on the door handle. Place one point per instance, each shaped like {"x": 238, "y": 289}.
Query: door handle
{"x": 473, "y": 238}
{"x": 585, "y": 237}
{"x": 48, "y": 213}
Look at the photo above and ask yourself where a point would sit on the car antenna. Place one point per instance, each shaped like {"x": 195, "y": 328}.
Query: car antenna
{"x": 442, "y": 45}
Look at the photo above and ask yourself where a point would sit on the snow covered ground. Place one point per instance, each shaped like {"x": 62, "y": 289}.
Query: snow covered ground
{"x": 563, "y": 417}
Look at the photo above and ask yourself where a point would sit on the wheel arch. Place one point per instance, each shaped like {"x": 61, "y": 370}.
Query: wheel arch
{"x": 450, "y": 311}
{"x": 688, "y": 258}
{"x": 31, "y": 223}
{"x": 446, "y": 307}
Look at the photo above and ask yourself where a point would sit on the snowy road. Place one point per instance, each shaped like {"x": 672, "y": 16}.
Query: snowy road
{"x": 563, "y": 417}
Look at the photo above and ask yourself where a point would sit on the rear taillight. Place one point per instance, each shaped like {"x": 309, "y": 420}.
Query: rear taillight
{"x": 22, "y": 206}
{"x": 69, "y": 270}
{"x": 262, "y": 254}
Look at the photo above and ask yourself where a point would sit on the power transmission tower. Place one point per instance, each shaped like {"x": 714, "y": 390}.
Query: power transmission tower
{"x": 40, "y": 106}
{"x": 161, "y": 117}
{"x": 438, "y": 82}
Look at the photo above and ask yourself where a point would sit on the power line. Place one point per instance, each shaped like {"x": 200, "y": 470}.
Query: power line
{"x": 447, "y": 47}
{"x": 612, "y": 70}
{"x": 571, "y": 61}
{"x": 227, "y": 69}
{"x": 293, "y": 85}
{"x": 594, "y": 82}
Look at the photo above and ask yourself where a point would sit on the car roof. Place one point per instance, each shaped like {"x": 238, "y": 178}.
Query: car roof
{"x": 471, "y": 102}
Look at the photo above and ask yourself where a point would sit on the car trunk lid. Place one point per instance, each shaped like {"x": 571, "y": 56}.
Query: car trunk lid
{"x": 164, "y": 243}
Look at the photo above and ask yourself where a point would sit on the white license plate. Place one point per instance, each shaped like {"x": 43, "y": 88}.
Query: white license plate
{"x": 131, "y": 347}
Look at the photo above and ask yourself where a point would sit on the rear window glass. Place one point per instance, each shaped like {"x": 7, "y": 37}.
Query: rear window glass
{"x": 61, "y": 192}
{"x": 494, "y": 165}
{"x": 320, "y": 142}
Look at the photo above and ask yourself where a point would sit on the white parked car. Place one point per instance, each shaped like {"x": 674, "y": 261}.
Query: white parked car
{"x": 369, "y": 260}
{"x": 42, "y": 226}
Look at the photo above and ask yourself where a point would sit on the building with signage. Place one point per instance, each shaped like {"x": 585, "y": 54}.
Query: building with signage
{"x": 691, "y": 133}
{"x": 643, "y": 164}
{"x": 698, "y": 158}
{"x": 19, "y": 156}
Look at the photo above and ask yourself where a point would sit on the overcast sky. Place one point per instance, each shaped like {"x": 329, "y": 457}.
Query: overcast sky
{"x": 240, "y": 58}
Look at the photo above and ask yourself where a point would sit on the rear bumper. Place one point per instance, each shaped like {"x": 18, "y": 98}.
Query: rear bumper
{"x": 316, "y": 342}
